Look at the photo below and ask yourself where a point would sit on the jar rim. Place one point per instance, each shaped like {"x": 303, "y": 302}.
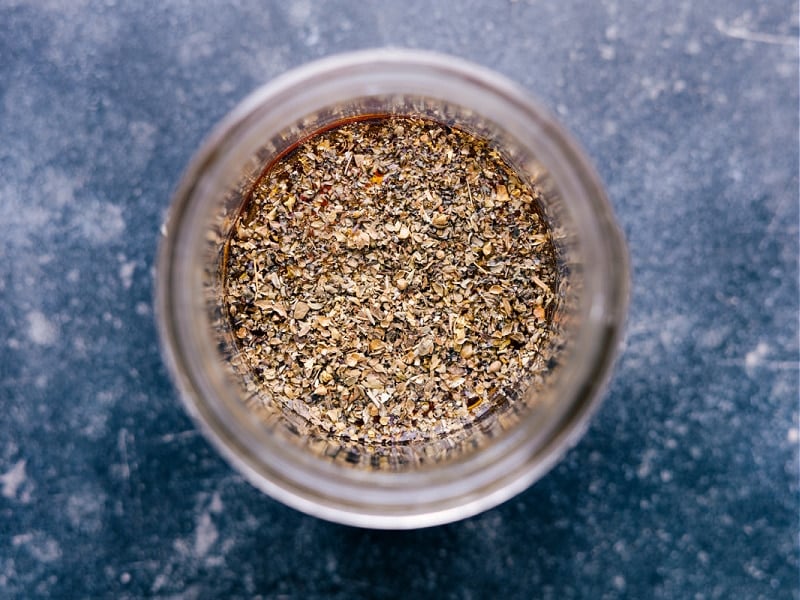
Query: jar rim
{"x": 392, "y": 500}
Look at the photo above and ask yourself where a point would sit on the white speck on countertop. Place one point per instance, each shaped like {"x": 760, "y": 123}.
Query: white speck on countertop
{"x": 101, "y": 222}
{"x": 693, "y": 47}
{"x": 13, "y": 479}
{"x": 84, "y": 510}
{"x": 126, "y": 270}
{"x": 41, "y": 330}
{"x": 216, "y": 505}
{"x": 756, "y": 356}
{"x": 143, "y": 141}
{"x": 607, "y": 52}
{"x": 205, "y": 534}
{"x": 40, "y": 546}
{"x": 646, "y": 464}
{"x": 619, "y": 582}
{"x": 298, "y": 12}
{"x": 610, "y": 127}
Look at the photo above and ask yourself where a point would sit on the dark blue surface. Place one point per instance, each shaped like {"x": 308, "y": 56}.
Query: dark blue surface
{"x": 686, "y": 485}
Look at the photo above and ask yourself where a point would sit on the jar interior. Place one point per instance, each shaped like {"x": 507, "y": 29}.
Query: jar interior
{"x": 231, "y": 186}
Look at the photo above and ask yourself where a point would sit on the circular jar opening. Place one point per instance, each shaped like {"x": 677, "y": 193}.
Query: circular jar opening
{"x": 336, "y": 393}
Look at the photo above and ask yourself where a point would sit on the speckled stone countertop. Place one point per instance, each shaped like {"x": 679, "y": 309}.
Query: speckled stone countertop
{"x": 686, "y": 485}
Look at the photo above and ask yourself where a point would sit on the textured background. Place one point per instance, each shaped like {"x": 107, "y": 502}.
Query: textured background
{"x": 686, "y": 485}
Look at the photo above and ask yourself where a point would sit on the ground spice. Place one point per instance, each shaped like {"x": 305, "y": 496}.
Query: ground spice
{"x": 390, "y": 279}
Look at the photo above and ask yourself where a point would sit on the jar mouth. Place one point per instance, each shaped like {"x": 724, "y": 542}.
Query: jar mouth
{"x": 452, "y": 489}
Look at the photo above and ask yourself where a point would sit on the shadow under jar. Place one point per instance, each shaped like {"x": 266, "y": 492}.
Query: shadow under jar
{"x": 391, "y": 289}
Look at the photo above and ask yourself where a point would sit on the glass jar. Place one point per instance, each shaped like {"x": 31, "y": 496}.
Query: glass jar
{"x": 436, "y": 480}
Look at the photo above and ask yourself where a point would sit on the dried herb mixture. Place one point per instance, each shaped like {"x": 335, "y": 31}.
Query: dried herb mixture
{"x": 390, "y": 279}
